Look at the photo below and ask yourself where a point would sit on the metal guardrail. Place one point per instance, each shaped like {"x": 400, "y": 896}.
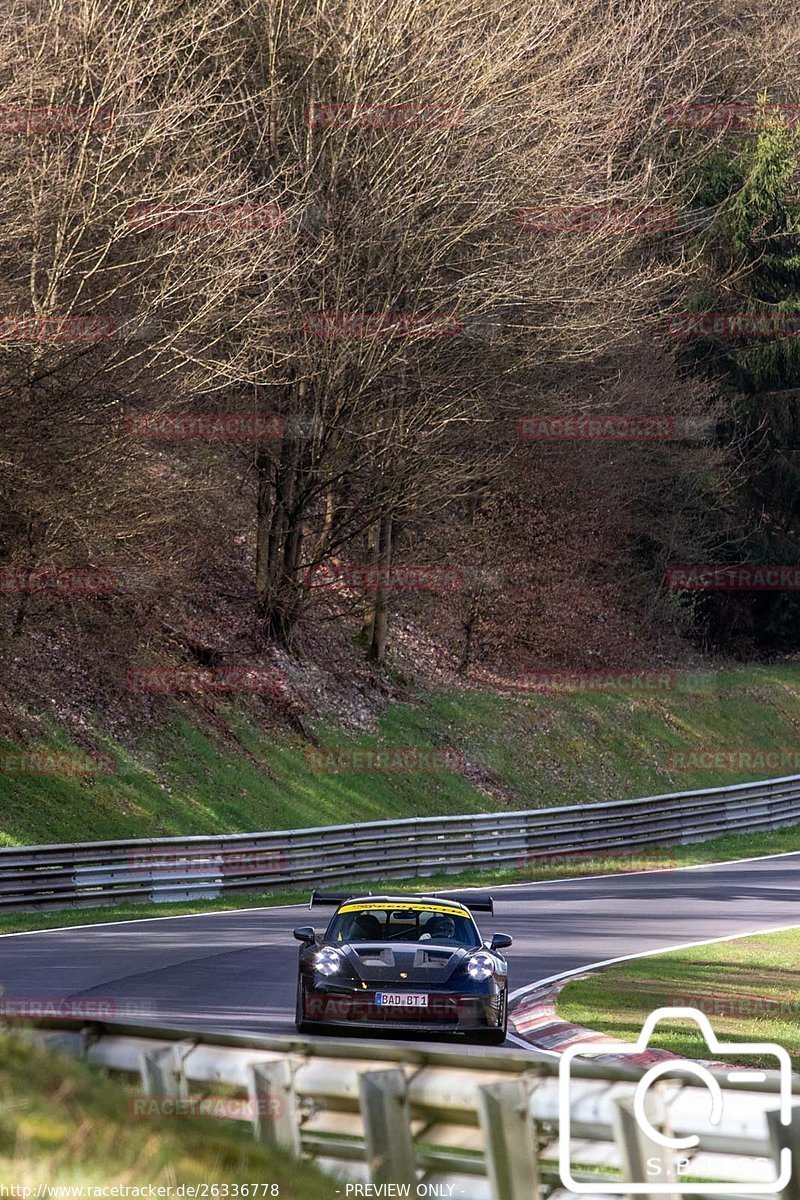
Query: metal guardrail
{"x": 487, "y": 1125}
{"x": 188, "y": 868}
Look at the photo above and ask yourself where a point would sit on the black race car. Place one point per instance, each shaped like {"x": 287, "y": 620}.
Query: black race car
{"x": 403, "y": 963}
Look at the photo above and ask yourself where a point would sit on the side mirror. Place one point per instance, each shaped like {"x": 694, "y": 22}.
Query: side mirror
{"x": 306, "y": 933}
{"x": 500, "y": 941}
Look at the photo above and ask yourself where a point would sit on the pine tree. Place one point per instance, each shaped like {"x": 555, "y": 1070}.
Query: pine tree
{"x": 752, "y": 256}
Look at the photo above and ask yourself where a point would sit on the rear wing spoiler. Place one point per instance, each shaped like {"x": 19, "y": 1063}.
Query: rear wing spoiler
{"x": 330, "y": 899}
{"x": 474, "y": 901}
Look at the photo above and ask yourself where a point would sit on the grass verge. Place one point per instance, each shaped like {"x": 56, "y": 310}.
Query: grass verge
{"x": 749, "y": 988}
{"x": 64, "y": 1123}
{"x": 195, "y": 775}
{"x": 732, "y": 846}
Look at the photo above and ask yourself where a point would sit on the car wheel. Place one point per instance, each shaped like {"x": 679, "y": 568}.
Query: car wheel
{"x": 494, "y": 1037}
{"x": 489, "y": 1037}
{"x": 300, "y": 1025}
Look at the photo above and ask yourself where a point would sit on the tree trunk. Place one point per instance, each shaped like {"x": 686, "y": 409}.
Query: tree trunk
{"x": 468, "y": 625}
{"x": 279, "y": 535}
{"x": 371, "y": 541}
{"x": 264, "y": 508}
{"x": 376, "y": 650}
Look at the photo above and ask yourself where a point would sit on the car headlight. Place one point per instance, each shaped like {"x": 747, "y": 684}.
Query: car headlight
{"x": 480, "y": 967}
{"x": 328, "y": 961}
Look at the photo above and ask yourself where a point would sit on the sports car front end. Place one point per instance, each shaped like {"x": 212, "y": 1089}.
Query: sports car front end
{"x": 403, "y": 986}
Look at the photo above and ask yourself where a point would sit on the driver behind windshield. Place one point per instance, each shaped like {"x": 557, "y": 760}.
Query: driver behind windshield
{"x": 440, "y": 929}
{"x": 421, "y": 925}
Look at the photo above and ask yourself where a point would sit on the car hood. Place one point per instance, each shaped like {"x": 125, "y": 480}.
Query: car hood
{"x": 406, "y": 962}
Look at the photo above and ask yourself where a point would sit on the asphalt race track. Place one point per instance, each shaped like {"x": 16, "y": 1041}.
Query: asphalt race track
{"x": 236, "y": 970}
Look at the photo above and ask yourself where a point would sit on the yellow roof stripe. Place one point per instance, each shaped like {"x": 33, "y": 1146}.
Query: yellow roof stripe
{"x": 383, "y": 907}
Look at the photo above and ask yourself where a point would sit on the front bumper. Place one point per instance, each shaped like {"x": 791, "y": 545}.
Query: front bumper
{"x": 445, "y": 1011}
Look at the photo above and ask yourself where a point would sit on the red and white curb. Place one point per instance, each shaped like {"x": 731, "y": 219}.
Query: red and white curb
{"x": 536, "y": 1022}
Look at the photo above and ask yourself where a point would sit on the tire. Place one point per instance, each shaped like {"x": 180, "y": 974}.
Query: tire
{"x": 493, "y": 1037}
{"x": 300, "y": 1025}
{"x": 489, "y": 1037}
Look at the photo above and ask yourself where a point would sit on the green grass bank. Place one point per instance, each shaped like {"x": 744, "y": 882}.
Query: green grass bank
{"x": 527, "y": 751}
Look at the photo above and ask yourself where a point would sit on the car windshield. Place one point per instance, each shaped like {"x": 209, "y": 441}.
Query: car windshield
{"x": 437, "y": 924}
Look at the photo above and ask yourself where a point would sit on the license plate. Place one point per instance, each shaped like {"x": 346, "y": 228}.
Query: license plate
{"x": 402, "y": 999}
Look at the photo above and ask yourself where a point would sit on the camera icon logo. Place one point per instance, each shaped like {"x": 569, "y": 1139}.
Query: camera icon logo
{"x": 666, "y": 1163}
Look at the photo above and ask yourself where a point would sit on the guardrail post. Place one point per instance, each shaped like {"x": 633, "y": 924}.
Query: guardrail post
{"x": 786, "y": 1137}
{"x": 636, "y": 1148}
{"x": 162, "y": 1071}
{"x": 276, "y": 1116}
{"x": 510, "y": 1140}
{"x": 385, "y": 1111}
